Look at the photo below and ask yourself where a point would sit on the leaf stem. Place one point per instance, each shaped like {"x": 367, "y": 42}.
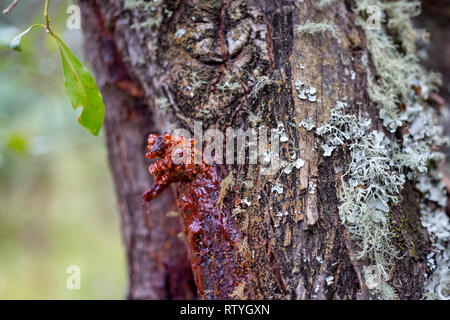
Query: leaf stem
{"x": 47, "y": 18}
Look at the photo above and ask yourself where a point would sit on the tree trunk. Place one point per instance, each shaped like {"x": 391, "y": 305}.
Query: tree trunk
{"x": 157, "y": 260}
{"x": 234, "y": 63}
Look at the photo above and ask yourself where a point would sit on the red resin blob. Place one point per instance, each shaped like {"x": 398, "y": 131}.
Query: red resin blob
{"x": 211, "y": 235}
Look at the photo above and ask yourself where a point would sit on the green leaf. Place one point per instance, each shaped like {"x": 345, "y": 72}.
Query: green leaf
{"x": 82, "y": 90}
{"x": 15, "y": 43}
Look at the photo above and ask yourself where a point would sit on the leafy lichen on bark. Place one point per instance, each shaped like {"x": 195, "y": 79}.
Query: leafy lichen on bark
{"x": 401, "y": 94}
{"x": 235, "y": 63}
{"x": 359, "y": 210}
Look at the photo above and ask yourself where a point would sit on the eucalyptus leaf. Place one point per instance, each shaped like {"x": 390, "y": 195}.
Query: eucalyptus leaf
{"x": 82, "y": 90}
{"x": 15, "y": 43}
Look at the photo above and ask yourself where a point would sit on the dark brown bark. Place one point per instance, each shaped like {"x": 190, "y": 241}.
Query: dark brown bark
{"x": 158, "y": 265}
{"x": 186, "y": 58}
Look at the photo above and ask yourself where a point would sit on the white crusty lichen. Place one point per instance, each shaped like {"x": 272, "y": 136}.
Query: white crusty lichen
{"x": 277, "y": 188}
{"x": 308, "y": 124}
{"x": 304, "y": 92}
{"x": 295, "y": 163}
{"x": 180, "y": 33}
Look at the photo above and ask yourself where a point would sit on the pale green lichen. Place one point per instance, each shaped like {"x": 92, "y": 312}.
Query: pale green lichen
{"x": 324, "y": 3}
{"x": 369, "y": 186}
{"x": 228, "y": 84}
{"x": 162, "y": 103}
{"x": 151, "y": 22}
{"x": 380, "y": 165}
{"x": 152, "y": 9}
{"x": 393, "y": 52}
{"x": 430, "y": 296}
{"x": 374, "y": 180}
{"x": 397, "y": 70}
{"x": 196, "y": 83}
{"x": 261, "y": 82}
{"x": 134, "y": 4}
{"x": 254, "y": 118}
{"x": 313, "y": 28}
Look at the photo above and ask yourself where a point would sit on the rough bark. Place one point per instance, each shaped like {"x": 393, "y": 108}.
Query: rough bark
{"x": 158, "y": 265}
{"x": 187, "y": 58}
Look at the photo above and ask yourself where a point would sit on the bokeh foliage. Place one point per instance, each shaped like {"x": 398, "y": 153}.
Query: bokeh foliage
{"x": 57, "y": 203}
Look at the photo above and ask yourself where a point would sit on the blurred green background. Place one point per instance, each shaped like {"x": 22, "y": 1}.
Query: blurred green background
{"x": 57, "y": 202}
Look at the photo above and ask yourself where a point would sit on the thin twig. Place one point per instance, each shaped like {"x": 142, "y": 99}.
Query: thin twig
{"x": 10, "y": 7}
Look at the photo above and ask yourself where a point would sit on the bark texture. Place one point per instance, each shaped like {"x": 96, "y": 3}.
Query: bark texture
{"x": 157, "y": 260}
{"x": 206, "y": 58}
